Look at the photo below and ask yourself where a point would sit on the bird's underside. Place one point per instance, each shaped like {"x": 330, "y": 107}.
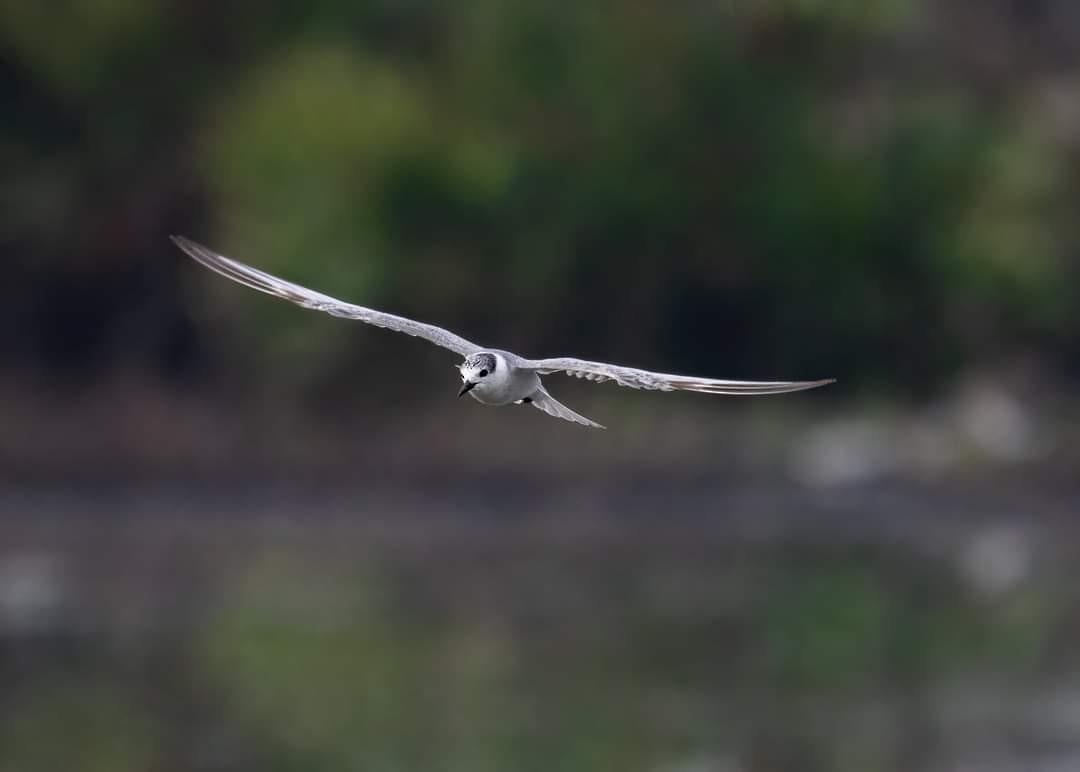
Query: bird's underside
{"x": 486, "y": 388}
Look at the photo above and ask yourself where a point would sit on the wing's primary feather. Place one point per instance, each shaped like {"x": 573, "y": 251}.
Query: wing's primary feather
{"x": 634, "y": 378}
{"x": 302, "y": 296}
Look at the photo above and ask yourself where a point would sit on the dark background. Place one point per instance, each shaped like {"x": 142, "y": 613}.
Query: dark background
{"x": 236, "y": 535}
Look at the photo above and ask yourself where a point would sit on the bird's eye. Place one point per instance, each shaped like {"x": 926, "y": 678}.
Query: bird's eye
{"x": 483, "y": 373}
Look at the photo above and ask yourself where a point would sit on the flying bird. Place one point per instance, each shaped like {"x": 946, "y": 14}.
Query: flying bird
{"x": 490, "y": 376}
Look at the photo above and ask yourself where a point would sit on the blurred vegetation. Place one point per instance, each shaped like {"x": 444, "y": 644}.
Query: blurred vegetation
{"x": 77, "y": 723}
{"x": 792, "y": 188}
{"x": 750, "y": 658}
{"x": 883, "y": 191}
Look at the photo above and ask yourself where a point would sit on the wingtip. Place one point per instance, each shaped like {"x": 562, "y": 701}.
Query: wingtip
{"x": 187, "y": 246}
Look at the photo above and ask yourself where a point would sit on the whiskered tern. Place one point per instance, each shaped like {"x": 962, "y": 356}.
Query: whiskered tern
{"x": 490, "y": 376}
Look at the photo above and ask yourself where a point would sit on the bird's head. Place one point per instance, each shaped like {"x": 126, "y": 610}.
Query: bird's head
{"x": 475, "y": 371}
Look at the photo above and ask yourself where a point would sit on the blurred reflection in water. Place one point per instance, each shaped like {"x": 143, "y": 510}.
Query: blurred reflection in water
{"x": 739, "y": 629}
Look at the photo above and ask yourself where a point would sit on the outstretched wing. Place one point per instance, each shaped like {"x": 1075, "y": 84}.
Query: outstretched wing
{"x": 645, "y": 379}
{"x": 544, "y": 401}
{"x": 302, "y": 296}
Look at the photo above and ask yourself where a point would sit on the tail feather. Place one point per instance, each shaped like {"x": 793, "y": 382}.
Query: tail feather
{"x": 544, "y": 401}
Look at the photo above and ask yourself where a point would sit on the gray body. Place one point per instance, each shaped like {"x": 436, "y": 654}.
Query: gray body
{"x": 492, "y": 376}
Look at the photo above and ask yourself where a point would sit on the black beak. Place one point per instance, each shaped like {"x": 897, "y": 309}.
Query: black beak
{"x": 468, "y": 385}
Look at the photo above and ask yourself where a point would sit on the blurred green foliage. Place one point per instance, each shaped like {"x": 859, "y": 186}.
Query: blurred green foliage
{"x": 331, "y": 677}
{"x": 793, "y": 187}
{"x": 77, "y": 723}
{"x": 346, "y": 667}
{"x": 883, "y": 191}
{"x": 318, "y": 657}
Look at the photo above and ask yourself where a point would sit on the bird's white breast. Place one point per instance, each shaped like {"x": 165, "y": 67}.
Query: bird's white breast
{"x": 505, "y": 384}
